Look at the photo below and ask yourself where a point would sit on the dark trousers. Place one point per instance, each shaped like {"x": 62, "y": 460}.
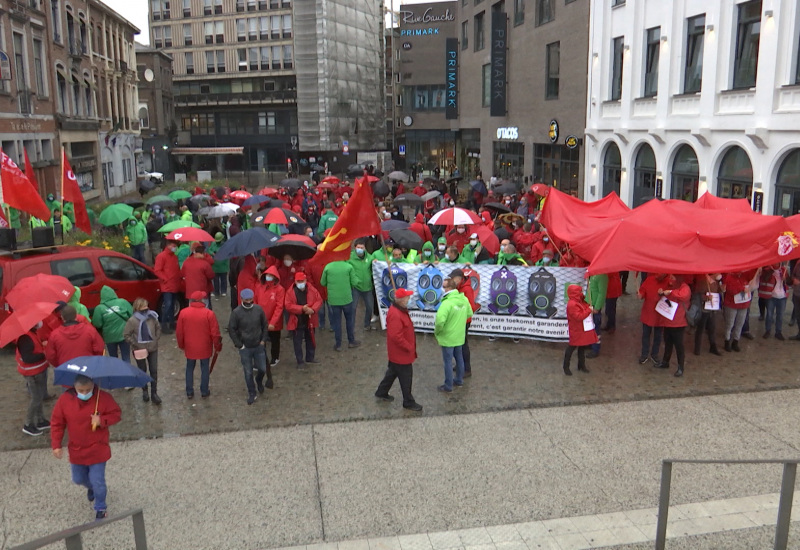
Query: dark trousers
{"x": 623, "y": 275}
{"x": 298, "y": 335}
{"x": 150, "y": 362}
{"x": 762, "y": 307}
{"x": 707, "y": 324}
{"x": 465, "y": 350}
{"x": 275, "y": 345}
{"x": 611, "y": 314}
{"x": 598, "y": 319}
{"x": 37, "y": 387}
{"x": 581, "y": 356}
{"x": 673, "y": 337}
{"x": 656, "y": 333}
{"x": 404, "y": 373}
{"x": 796, "y": 307}
{"x": 220, "y": 283}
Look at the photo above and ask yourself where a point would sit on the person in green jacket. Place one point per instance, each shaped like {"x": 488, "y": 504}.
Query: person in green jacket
{"x": 362, "y": 265}
{"x": 327, "y": 220}
{"x": 183, "y": 252}
{"x": 137, "y": 236}
{"x": 340, "y": 279}
{"x": 380, "y": 255}
{"x": 186, "y": 214}
{"x": 109, "y": 319}
{"x": 450, "y": 330}
{"x": 75, "y": 301}
{"x": 427, "y": 256}
{"x": 60, "y": 223}
{"x": 510, "y": 256}
{"x": 598, "y": 287}
{"x": 69, "y": 211}
{"x": 471, "y": 250}
{"x": 13, "y": 220}
{"x": 441, "y": 249}
{"x": 220, "y": 267}
{"x": 52, "y": 203}
{"x": 547, "y": 258}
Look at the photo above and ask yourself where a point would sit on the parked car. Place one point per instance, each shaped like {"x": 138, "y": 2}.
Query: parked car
{"x": 86, "y": 267}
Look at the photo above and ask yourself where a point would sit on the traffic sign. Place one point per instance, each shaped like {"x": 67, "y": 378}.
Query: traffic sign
{"x": 401, "y": 149}
{"x": 345, "y": 147}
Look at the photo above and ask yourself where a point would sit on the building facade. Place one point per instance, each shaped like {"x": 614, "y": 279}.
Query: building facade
{"x": 156, "y": 111}
{"x": 421, "y": 52}
{"x": 522, "y": 90}
{"x": 688, "y": 97}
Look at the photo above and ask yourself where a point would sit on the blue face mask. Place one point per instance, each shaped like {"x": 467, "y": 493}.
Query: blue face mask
{"x": 85, "y": 396}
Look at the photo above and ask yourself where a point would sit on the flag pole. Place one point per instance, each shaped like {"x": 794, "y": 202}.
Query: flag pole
{"x": 6, "y": 212}
{"x": 63, "y": 156}
{"x": 385, "y": 255}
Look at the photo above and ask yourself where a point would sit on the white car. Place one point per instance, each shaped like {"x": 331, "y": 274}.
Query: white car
{"x": 155, "y": 177}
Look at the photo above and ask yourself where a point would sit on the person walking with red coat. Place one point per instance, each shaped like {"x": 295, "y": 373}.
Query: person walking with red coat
{"x": 738, "y": 294}
{"x": 170, "y": 280}
{"x": 581, "y": 335}
{"x": 32, "y": 365}
{"x": 677, "y": 294}
{"x": 270, "y": 295}
{"x": 648, "y": 292}
{"x": 302, "y": 304}
{"x": 199, "y": 337}
{"x": 85, "y": 412}
{"x": 198, "y": 273}
{"x": 401, "y": 346}
{"x": 72, "y": 339}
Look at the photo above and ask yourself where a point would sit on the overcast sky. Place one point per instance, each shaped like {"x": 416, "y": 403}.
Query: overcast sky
{"x": 135, "y": 11}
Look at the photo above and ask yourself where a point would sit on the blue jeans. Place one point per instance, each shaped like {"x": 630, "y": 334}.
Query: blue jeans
{"x": 190, "y": 364}
{"x": 123, "y": 348}
{"x": 168, "y": 308}
{"x": 647, "y": 330}
{"x": 253, "y": 358}
{"x": 220, "y": 283}
{"x": 448, "y": 354}
{"x": 775, "y": 309}
{"x": 92, "y": 477}
{"x": 349, "y": 320}
{"x": 321, "y": 313}
{"x": 366, "y": 297}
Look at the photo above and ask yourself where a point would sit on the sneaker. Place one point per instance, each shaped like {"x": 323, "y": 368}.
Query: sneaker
{"x": 274, "y": 362}
{"x": 101, "y": 514}
{"x": 260, "y": 387}
{"x": 354, "y": 344}
{"x": 468, "y": 374}
{"x": 515, "y": 340}
{"x": 643, "y": 360}
{"x": 374, "y": 319}
{"x": 492, "y": 338}
{"x": 416, "y": 407}
{"x": 444, "y": 389}
{"x": 252, "y": 398}
{"x": 224, "y": 294}
{"x": 90, "y": 495}
{"x": 213, "y": 295}
{"x": 779, "y": 336}
{"x": 43, "y": 425}
{"x": 31, "y": 430}
{"x": 337, "y": 348}
{"x": 386, "y": 397}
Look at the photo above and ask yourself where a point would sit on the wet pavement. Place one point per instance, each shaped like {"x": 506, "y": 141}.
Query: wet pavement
{"x": 340, "y": 388}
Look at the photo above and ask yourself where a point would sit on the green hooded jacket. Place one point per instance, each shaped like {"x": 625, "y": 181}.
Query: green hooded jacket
{"x": 183, "y": 252}
{"x": 363, "y": 269}
{"x": 326, "y": 221}
{"x": 14, "y": 218}
{"x": 339, "y": 278}
{"x": 468, "y": 254}
{"x": 69, "y": 211}
{"x": 422, "y": 257}
{"x": 136, "y": 232}
{"x": 506, "y": 259}
{"x": 111, "y": 315}
{"x": 439, "y": 255}
{"x": 451, "y": 320}
{"x": 75, "y": 301}
{"x": 220, "y": 266}
{"x": 379, "y": 256}
{"x": 598, "y": 287}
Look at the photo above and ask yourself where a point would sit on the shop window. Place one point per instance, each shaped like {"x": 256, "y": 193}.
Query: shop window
{"x": 616, "y": 68}
{"x": 553, "y": 69}
{"x": 612, "y": 170}
{"x": 787, "y": 186}
{"x": 695, "y": 43}
{"x": 748, "y": 33}
{"x": 651, "y": 57}
{"x": 735, "y": 178}
{"x": 557, "y": 165}
{"x": 685, "y": 174}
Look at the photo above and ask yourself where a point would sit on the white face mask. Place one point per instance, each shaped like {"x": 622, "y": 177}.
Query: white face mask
{"x": 473, "y": 242}
{"x": 461, "y": 230}
{"x": 442, "y": 247}
{"x": 301, "y": 286}
{"x": 546, "y": 239}
{"x": 269, "y": 278}
{"x": 546, "y": 259}
{"x": 452, "y": 203}
{"x": 288, "y": 263}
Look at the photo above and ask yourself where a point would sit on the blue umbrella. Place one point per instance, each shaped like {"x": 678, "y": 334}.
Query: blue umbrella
{"x": 255, "y": 200}
{"x": 107, "y": 372}
{"x": 247, "y": 242}
{"x": 479, "y": 186}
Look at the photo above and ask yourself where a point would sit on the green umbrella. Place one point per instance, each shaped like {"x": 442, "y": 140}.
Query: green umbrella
{"x": 177, "y": 224}
{"x": 162, "y": 200}
{"x": 115, "y": 214}
{"x": 178, "y": 194}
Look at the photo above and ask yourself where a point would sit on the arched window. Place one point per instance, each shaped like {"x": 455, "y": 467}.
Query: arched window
{"x": 612, "y": 170}
{"x": 144, "y": 117}
{"x": 644, "y": 175}
{"x": 735, "y": 178}
{"x": 61, "y": 90}
{"x": 77, "y": 101}
{"x": 787, "y": 186}
{"x": 685, "y": 174}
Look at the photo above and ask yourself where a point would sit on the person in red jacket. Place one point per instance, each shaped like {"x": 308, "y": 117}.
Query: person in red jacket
{"x": 72, "y": 339}
{"x": 580, "y": 336}
{"x": 464, "y": 286}
{"x": 401, "y": 346}
{"x": 270, "y": 295}
{"x": 32, "y": 364}
{"x": 648, "y": 292}
{"x": 198, "y": 273}
{"x": 302, "y": 303}
{"x": 613, "y": 293}
{"x": 170, "y": 280}
{"x": 773, "y": 288}
{"x": 458, "y": 237}
{"x": 421, "y": 228}
{"x": 199, "y": 337}
{"x": 677, "y": 293}
{"x": 86, "y": 412}
{"x": 738, "y": 293}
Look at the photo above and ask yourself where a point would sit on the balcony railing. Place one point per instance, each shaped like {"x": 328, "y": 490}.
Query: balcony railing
{"x": 280, "y": 96}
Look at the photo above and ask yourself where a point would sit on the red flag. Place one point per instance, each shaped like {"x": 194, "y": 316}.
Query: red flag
{"x": 72, "y": 193}
{"x": 29, "y": 173}
{"x": 358, "y": 219}
{"x": 17, "y": 191}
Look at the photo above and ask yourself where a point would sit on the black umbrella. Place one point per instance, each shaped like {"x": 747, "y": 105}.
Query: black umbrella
{"x": 378, "y": 174}
{"x": 389, "y": 225}
{"x": 455, "y": 179}
{"x": 380, "y": 189}
{"x": 479, "y": 186}
{"x": 407, "y": 199}
{"x": 291, "y": 183}
{"x": 220, "y": 192}
{"x": 256, "y": 200}
{"x": 355, "y": 173}
{"x": 496, "y": 206}
{"x": 430, "y": 181}
{"x": 405, "y": 238}
{"x": 354, "y": 167}
{"x": 317, "y": 168}
{"x": 505, "y": 188}
{"x": 133, "y": 203}
{"x": 145, "y": 186}
{"x": 247, "y": 242}
{"x": 298, "y": 247}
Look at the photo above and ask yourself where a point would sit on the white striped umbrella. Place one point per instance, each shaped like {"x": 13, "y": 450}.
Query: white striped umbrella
{"x": 455, "y": 216}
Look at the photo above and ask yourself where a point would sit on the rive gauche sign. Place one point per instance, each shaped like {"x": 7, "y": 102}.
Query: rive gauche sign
{"x": 427, "y": 20}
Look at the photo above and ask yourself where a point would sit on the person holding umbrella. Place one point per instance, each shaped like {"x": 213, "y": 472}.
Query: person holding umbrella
{"x": 142, "y": 332}
{"x": 86, "y": 412}
{"x": 302, "y": 304}
{"x": 199, "y": 337}
{"x": 32, "y": 365}
{"x": 170, "y": 280}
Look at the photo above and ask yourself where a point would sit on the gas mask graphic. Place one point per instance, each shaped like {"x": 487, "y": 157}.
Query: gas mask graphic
{"x": 429, "y": 288}
{"x": 400, "y": 279}
{"x": 503, "y": 292}
{"x": 542, "y": 294}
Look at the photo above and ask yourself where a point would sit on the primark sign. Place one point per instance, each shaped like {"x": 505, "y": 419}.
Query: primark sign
{"x": 451, "y": 78}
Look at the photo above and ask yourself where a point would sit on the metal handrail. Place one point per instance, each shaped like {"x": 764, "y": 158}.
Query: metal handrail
{"x": 784, "y": 503}
{"x": 72, "y": 536}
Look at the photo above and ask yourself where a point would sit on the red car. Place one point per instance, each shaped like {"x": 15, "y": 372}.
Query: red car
{"x": 86, "y": 267}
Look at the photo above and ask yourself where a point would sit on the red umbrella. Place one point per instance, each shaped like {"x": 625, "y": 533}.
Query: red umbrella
{"x": 540, "y": 189}
{"x": 281, "y": 216}
{"x": 40, "y": 288}
{"x": 23, "y": 319}
{"x": 330, "y": 179}
{"x": 488, "y": 239}
{"x": 239, "y": 196}
{"x": 455, "y": 216}
{"x": 298, "y": 247}
{"x": 268, "y": 192}
{"x": 189, "y": 234}
{"x": 327, "y": 185}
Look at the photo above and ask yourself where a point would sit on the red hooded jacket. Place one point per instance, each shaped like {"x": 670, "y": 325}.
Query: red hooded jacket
{"x": 73, "y": 340}
{"x": 735, "y": 283}
{"x": 577, "y": 311}
{"x": 198, "y": 274}
{"x": 401, "y": 342}
{"x": 198, "y": 331}
{"x": 648, "y": 291}
{"x": 421, "y": 228}
{"x": 680, "y": 294}
{"x": 287, "y": 273}
{"x": 86, "y": 447}
{"x": 247, "y": 276}
{"x": 465, "y": 288}
{"x": 271, "y": 296}
{"x": 314, "y": 301}
{"x": 168, "y": 270}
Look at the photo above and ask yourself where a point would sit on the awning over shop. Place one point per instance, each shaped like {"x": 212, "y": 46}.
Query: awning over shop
{"x": 208, "y": 151}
